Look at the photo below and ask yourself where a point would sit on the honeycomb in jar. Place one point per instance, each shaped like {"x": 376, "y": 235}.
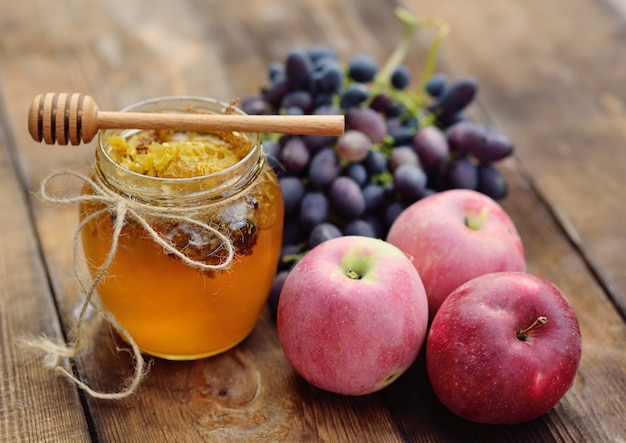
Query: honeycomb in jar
{"x": 172, "y": 154}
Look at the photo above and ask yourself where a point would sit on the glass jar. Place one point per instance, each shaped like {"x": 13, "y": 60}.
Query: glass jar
{"x": 170, "y": 309}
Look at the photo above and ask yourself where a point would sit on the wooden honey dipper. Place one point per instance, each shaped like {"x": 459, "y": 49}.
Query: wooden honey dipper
{"x": 70, "y": 118}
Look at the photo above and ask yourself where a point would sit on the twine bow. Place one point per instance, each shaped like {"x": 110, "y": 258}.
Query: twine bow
{"x": 122, "y": 208}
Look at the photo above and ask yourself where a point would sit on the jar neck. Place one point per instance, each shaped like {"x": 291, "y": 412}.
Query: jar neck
{"x": 190, "y": 191}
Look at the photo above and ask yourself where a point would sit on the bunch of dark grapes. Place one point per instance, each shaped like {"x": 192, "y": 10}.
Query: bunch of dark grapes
{"x": 391, "y": 155}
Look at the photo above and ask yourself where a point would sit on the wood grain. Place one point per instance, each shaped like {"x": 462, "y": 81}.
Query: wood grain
{"x": 549, "y": 89}
{"x": 553, "y": 75}
{"x": 33, "y": 405}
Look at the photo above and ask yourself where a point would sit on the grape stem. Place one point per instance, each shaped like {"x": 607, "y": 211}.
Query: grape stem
{"x": 443, "y": 29}
{"x": 411, "y": 24}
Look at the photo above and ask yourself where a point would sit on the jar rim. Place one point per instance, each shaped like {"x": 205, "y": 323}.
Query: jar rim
{"x": 163, "y": 100}
{"x": 179, "y": 190}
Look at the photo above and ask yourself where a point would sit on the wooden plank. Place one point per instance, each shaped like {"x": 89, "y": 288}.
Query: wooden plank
{"x": 552, "y": 74}
{"x": 549, "y": 125}
{"x": 250, "y": 391}
{"x": 34, "y": 406}
{"x": 601, "y": 378}
{"x": 121, "y": 53}
{"x": 543, "y": 231}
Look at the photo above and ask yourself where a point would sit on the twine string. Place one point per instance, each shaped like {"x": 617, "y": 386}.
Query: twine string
{"x": 122, "y": 209}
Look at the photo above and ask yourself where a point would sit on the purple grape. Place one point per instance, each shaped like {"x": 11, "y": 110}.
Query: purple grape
{"x": 319, "y": 52}
{"x": 298, "y": 99}
{"x": 455, "y": 98}
{"x": 410, "y": 181}
{"x": 389, "y": 192}
{"x": 254, "y": 105}
{"x": 401, "y": 77}
{"x": 453, "y": 120}
{"x": 437, "y": 177}
{"x": 411, "y": 122}
{"x": 314, "y": 210}
{"x": 367, "y": 121}
{"x": 324, "y": 168}
{"x": 315, "y": 143}
{"x": 375, "y": 221}
{"x": 496, "y": 147}
{"x": 375, "y": 162}
{"x": 275, "y": 290}
{"x": 491, "y": 182}
{"x": 321, "y": 233}
{"x": 436, "y": 85}
{"x": 374, "y": 196}
{"x": 272, "y": 149}
{"x": 331, "y": 77}
{"x": 315, "y": 83}
{"x": 359, "y": 227}
{"x": 402, "y": 155}
{"x": 362, "y": 68}
{"x": 381, "y": 103}
{"x": 402, "y": 135}
{"x": 462, "y": 173}
{"x": 295, "y": 155}
{"x": 353, "y": 95}
{"x": 322, "y": 99}
{"x": 326, "y": 109}
{"x": 353, "y": 146}
{"x": 467, "y": 137}
{"x": 275, "y": 70}
{"x": 396, "y": 110}
{"x": 358, "y": 173}
{"x": 431, "y": 146}
{"x": 346, "y": 198}
{"x": 393, "y": 124}
{"x": 320, "y": 65}
{"x": 293, "y": 233}
{"x": 392, "y": 211}
{"x": 275, "y": 92}
{"x": 298, "y": 68}
{"x": 428, "y": 192}
{"x": 293, "y": 190}
{"x": 293, "y": 110}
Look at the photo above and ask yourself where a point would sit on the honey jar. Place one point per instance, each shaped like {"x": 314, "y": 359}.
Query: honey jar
{"x": 194, "y": 257}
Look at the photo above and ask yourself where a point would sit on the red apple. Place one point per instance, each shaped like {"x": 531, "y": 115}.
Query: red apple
{"x": 352, "y": 315}
{"x": 454, "y": 236}
{"x": 503, "y": 348}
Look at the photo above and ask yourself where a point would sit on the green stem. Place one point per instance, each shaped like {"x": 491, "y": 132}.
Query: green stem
{"x": 399, "y": 54}
{"x": 383, "y": 78}
{"x": 476, "y": 222}
{"x": 350, "y": 273}
{"x": 443, "y": 29}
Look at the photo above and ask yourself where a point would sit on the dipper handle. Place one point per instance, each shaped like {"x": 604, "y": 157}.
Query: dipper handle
{"x": 71, "y": 118}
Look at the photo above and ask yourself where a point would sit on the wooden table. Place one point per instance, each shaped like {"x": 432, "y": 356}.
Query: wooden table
{"x": 553, "y": 76}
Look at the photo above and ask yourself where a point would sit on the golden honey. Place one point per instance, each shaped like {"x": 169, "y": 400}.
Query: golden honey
{"x": 170, "y": 308}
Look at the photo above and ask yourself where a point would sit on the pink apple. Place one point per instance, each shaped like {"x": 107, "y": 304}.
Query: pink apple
{"x": 454, "y": 236}
{"x": 503, "y": 348}
{"x": 352, "y": 315}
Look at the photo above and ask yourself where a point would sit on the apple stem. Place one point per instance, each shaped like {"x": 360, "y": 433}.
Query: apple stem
{"x": 353, "y": 275}
{"x": 475, "y": 222}
{"x": 522, "y": 334}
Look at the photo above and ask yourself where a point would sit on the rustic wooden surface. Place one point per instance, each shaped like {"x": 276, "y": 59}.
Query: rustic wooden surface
{"x": 553, "y": 76}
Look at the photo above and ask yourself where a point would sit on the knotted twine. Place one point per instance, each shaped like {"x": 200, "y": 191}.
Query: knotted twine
{"x": 121, "y": 208}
